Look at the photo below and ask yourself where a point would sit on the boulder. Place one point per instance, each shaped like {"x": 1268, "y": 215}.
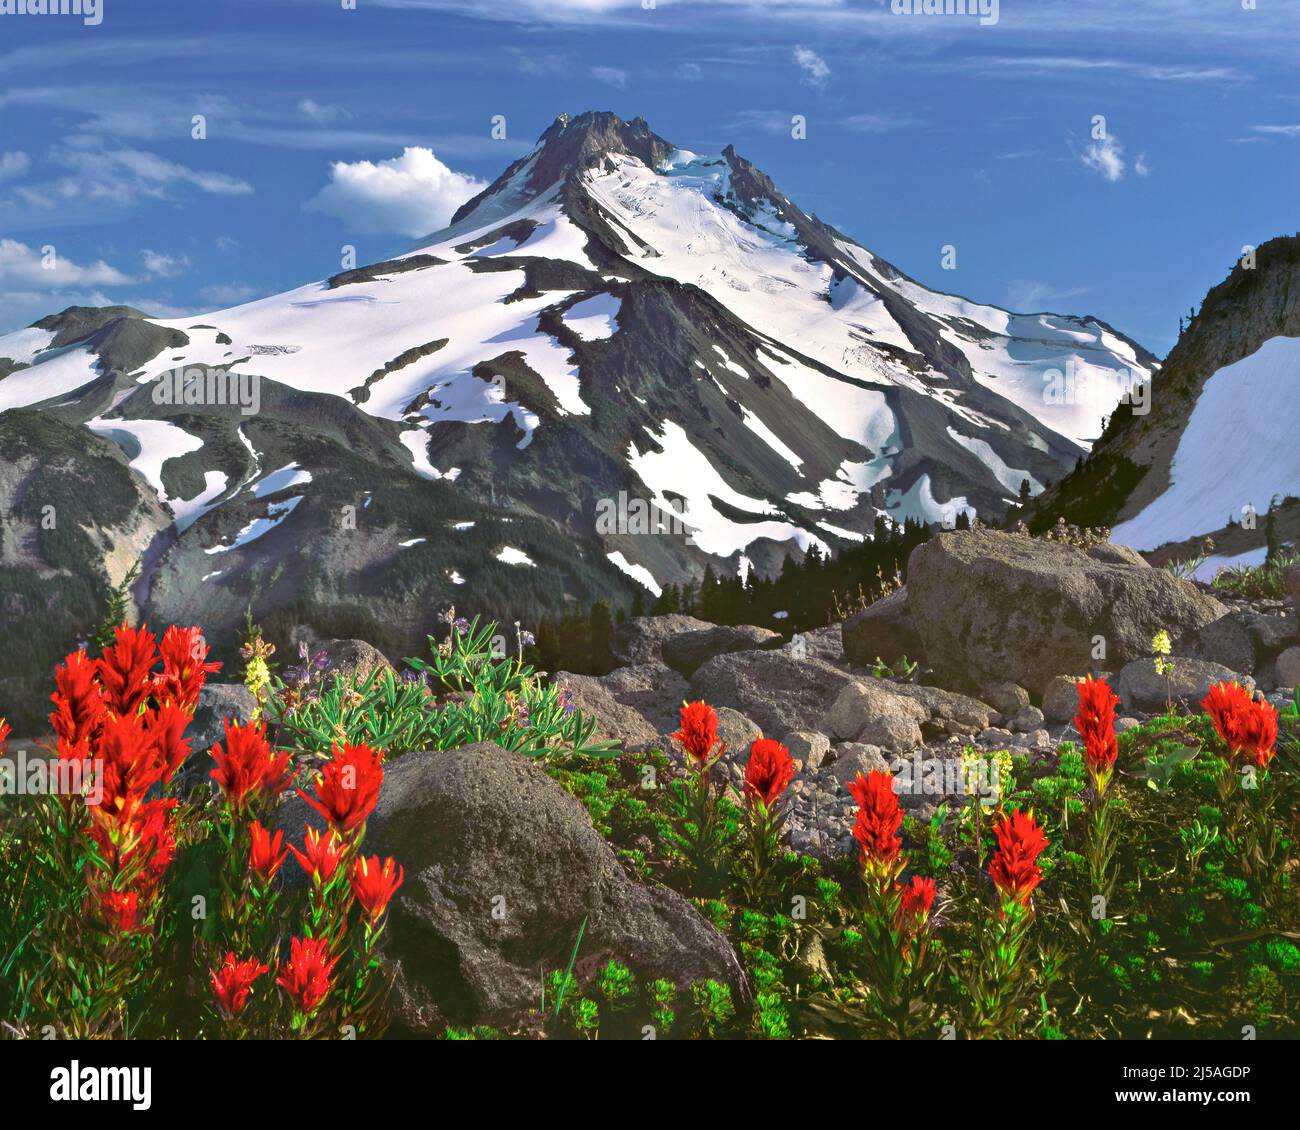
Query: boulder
{"x": 1141, "y": 688}
{"x": 893, "y": 732}
{"x": 502, "y": 869}
{"x": 1286, "y": 671}
{"x": 641, "y": 639}
{"x": 217, "y": 703}
{"x": 353, "y": 659}
{"x": 1227, "y": 640}
{"x": 780, "y": 693}
{"x": 1061, "y": 699}
{"x": 654, "y": 691}
{"x": 808, "y": 747}
{"x": 853, "y": 758}
{"x": 1028, "y": 720}
{"x": 820, "y": 643}
{"x": 863, "y": 701}
{"x": 689, "y": 650}
{"x": 989, "y": 606}
{"x": 1291, "y": 582}
{"x": 1006, "y": 698}
{"x": 614, "y": 720}
{"x": 738, "y": 732}
{"x": 945, "y": 706}
{"x": 882, "y": 631}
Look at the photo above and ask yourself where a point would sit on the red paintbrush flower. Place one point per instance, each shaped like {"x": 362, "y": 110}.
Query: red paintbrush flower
{"x": 167, "y": 726}
{"x": 79, "y": 705}
{"x": 699, "y": 733}
{"x": 347, "y": 789}
{"x": 232, "y": 981}
{"x": 121, "y": 910}
{"x": 1247, "y": 727}
{"x": 131, "y": 765}
{"x": 5, "y": 731}
{"x": 1014, "y": 866}
{"x": 320, "y": 855}
{"x": 306, "y": 975}
{"x": 246, "y": 766}
{"x": 374, "y": 884}
{"x": 878, "y": 820}
{"x": 768, "y": 773}
{"x": 1096, "y": 725}
{"x": 914, "y": 903}
{"x": 126, "y": 669}
{"x": 266, "y": 853}
{"x": 184, "y": 653}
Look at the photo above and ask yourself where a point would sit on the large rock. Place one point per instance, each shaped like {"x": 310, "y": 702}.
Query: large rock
{"x": 689, "y": 651}
{"x": 1061, "y": 699}
{"x": 615, "y": 721}
{"x": 502, "y": 869}
{"x": 1242, "y": 640}
{"x": 989, "y": 606}
{"x": 641, "y": 639}
{"x": 1140, "y": 687}
{"x": 865, "y": 701}
{"x": 1291, "y": 581}
{"x": 1286, "y": 671}
{"x": 1006, "y": 698}
{"x": 780, "y": 693}
{"x": 819, "y": 643}
{"x": 883, "y": 631}
{"x": 354, "y": 659}
{"x": 654, "y": 691}
{"x": 946, "y": 706}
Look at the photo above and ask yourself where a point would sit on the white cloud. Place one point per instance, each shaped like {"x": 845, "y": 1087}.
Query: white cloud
{"x": 610, "y": 76}
{"x": 1105, "y": 157}
{"x": 14, "y": 164}
{"x": 875, "y": 123}
{"x": 814, "y": 67}
{"x": 160, "y": 265}
{"x": 1283, "y": 131}
{"x": 413, "y": 194}
{"x": 1033, "y": 296}
{"x": 32, "y": 268}
{"x": 1142, "y": 166}
{"x": 319, "y": 112}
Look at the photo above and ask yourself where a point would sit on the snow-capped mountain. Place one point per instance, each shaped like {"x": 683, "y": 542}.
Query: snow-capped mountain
{"x": 612, "y": 319}
{"x": 1218, "y": 444}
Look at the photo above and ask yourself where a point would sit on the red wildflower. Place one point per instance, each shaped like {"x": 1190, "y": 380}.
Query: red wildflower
{"x": 146, "y": 836}
{"x": 4, "y": 733}
{"x": 699, "y": 733}
{"x": 1247, "y": 727}
{"x": 878, "y": 820}
{"x": 266, "y": 853}
{"x": 320, "y": 855}
{"x": 306, "y": 975}
{"x": 246, "y": 766}
{"x": 375, "y": 884}
{"x": 79, "y": 701}
{"x": 184, "y": 672}
{"x": 1014, "y": 867}
{"x": 131, "y": 765}
{"x": 126, "y": 669}
{"x": 915, "y": 901}
{"x": 769, "y": 772}
{"x": 232, "y": 981}
{"x": 167, "y": 726}
{"x": 121, "y": 910}
{"x": 1096, "y": 725}
{"x": 347, "y": 789}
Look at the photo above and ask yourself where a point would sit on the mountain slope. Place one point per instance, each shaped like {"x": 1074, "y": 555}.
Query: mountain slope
{"x": 1220, "y": 437}
{"x": 612, "y": 319}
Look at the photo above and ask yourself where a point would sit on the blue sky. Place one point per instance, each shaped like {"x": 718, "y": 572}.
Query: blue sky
{"x": 922, "y": 131}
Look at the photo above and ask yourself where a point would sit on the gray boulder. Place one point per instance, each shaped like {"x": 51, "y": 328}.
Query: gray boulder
{"x": 853, "y": 758}
{"x": 615, "y": 721}
{"x": 654, "y": 691}
{"x": 1061, "y": 699}
{"x": 780, "y": 693}
{"x": 820, "y": 643}
{"x": 1141, "y": 688}
{"x": 883, "y": 631}
{"x": 808, "y": 747}
{"x": 218, "y": 702}
{"x": 738, "y": 732}
{"x": 641, "y": 639}
{"x": 1286, "y": 670}
{"x": 864, "y": 701}
{"x": 1006, "y": 698}
{"x": 502, "y": 868}
{"x": 989, "y": 606}
{"x": 688, "y": 651}
{"x": 945, "y": 706}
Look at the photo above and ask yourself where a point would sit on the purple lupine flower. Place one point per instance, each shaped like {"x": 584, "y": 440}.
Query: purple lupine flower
{"x": 566, "y": 702}
{"x": 461, "y": 625}
{"x": 526, "y": 638}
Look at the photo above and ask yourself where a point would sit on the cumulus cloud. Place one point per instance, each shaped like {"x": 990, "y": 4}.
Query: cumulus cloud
{"x": 412, "y": 195}
{"x": 160, "y": 265}
{"x": 1105, "y": 157}
{"x": 319, "y": 112}
{"x": 815, "y": 70}
{"x": 36, "y": 268}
